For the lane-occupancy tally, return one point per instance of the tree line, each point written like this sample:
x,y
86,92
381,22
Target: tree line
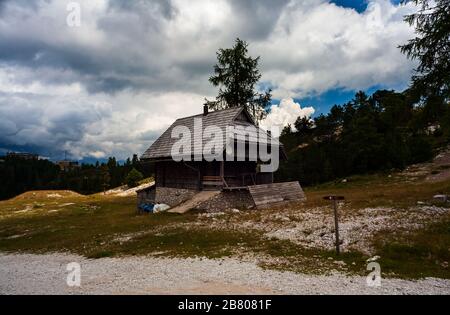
x,y
19,175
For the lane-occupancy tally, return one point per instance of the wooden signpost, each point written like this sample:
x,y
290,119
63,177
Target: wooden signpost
x,y
334,200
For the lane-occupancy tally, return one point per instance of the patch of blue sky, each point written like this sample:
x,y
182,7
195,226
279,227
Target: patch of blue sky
x,y
358,5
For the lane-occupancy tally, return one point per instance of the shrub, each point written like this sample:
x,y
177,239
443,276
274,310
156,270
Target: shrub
x,y
133,178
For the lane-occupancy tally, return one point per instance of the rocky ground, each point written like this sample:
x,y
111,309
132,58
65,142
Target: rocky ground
x,y
47,274
314,228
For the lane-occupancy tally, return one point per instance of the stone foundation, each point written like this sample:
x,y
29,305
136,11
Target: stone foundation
x,y
146,196
173,196
227,200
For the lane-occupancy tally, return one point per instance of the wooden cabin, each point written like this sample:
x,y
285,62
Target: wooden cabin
x,y
205,175
236,177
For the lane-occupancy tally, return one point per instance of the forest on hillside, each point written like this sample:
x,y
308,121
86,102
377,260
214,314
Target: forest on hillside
x,y
384,131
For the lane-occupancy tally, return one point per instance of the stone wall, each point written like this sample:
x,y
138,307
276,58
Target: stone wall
x,y
227,200
146,196
173,196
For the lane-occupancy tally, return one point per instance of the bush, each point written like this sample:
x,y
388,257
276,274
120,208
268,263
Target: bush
x,y
133,178
420,149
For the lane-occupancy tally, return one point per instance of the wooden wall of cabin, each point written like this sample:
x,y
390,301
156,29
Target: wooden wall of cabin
x,y
237,174
240,174
176,175
210,168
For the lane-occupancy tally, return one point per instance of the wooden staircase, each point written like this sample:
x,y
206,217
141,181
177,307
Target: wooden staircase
x,y
212,182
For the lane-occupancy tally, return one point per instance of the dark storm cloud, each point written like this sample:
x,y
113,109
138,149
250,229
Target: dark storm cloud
x,y
108,85
101,67
257,17
164,7
135,31
85,68
6,147
32,4
34,53
2,5
37,121
150,135
13,50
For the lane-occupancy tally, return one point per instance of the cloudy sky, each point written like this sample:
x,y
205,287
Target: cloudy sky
x,y
111,85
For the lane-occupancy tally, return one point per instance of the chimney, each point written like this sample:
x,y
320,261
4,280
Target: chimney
x,y
205,110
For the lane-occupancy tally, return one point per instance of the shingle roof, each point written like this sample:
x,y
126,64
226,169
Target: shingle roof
x,y
162,147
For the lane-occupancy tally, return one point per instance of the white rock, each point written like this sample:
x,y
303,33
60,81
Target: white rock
x,y
374,258
441,197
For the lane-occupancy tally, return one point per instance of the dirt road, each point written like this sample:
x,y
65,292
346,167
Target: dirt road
x,y
47,274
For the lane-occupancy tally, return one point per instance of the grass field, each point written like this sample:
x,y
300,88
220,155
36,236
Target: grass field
x,y
103,226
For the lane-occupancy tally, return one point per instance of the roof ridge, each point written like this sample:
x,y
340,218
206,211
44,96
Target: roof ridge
x,y
216,111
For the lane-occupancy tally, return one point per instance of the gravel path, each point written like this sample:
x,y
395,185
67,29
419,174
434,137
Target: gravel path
x,y
46,274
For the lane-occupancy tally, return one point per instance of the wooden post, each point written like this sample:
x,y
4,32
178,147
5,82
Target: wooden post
x,y
163,174
200,177
334,199
336,227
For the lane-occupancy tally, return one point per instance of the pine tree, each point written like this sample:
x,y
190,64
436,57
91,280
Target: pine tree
x,y
236,74
431,47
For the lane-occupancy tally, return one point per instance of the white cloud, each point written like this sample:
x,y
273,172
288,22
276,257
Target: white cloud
x,y
97,154
285,113
114,84
317,48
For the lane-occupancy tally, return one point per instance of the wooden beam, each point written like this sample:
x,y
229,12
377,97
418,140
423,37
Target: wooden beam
x,y
222,173
163,174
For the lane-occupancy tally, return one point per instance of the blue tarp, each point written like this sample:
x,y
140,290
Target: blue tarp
x,y
147,207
